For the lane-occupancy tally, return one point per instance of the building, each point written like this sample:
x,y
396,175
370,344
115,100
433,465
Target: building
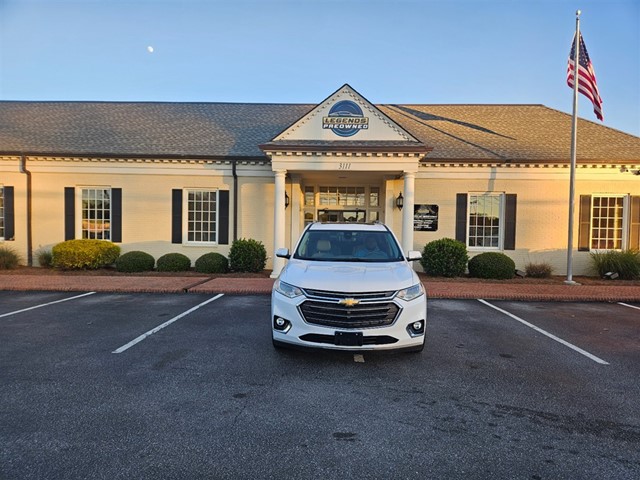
x,y
192,177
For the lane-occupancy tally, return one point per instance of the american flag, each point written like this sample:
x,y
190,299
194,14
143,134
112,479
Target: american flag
x,y
587,84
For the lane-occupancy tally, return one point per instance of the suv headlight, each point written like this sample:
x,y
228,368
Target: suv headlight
x,y
412,292
287,290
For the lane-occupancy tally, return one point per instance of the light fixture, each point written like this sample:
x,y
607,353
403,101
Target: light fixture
x,y
400,201
286,200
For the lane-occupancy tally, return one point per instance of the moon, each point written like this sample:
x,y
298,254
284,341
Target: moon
x,y
150,49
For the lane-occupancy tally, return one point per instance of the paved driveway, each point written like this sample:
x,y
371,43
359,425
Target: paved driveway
x,y
503,390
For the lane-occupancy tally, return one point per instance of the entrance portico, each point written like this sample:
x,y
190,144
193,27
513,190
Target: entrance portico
x,y
334,177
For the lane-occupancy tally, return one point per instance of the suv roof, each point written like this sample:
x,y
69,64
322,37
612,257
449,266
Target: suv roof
x,y
369,227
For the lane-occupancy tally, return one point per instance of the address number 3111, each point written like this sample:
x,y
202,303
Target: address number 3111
x,y
344,166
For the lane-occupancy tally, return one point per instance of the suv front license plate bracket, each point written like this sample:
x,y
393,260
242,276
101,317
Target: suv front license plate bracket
x,y
348,339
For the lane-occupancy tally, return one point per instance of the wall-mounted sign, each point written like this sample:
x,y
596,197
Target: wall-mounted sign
x,y
425,218
345,119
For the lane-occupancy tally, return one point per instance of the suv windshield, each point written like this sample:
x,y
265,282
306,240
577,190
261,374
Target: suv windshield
x,y
348,246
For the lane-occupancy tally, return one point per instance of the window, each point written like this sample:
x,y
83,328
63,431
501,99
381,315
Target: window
x,y
309,197
202,211
485,220
96,213
1,212
344,196
607,222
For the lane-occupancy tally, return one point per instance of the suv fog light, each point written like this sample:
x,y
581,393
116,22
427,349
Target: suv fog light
x,y
281,324
416,329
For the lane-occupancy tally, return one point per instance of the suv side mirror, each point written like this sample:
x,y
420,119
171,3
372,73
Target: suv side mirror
x,y
283,253
413,255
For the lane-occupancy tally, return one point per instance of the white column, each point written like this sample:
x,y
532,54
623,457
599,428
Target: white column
x,y
278,221
407,211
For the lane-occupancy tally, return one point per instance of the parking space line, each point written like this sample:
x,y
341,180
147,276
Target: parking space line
x,y
627,305
165,324
45,304
550,335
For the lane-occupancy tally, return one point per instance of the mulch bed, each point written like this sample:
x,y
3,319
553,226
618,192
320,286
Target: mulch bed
x,y
555,280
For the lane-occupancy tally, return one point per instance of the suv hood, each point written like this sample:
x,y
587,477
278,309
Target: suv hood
x,y
349,276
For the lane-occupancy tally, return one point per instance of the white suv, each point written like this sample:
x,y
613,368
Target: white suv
x,y
348,287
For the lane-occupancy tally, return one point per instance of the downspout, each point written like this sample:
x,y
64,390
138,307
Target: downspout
x,y
23,169
235,200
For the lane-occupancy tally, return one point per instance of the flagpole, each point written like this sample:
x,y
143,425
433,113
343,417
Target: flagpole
x,y
574,137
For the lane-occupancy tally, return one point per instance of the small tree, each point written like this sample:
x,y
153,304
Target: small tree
x,y
445,257
247,255
494,265
135,261
212,262
83,254
173,262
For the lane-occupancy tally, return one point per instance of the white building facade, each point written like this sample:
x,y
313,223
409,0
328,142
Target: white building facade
x,y
191,178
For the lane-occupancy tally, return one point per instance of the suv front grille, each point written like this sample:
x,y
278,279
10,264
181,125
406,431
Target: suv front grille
x,y
373,310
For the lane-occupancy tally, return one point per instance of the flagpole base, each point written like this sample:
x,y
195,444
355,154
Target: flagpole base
x,y
571,282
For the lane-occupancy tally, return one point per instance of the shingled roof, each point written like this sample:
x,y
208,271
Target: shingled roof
x,y
528,133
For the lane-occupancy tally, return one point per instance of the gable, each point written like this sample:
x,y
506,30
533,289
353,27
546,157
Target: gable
x,y
345,116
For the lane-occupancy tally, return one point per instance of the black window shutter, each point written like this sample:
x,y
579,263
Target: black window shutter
x,y
461,217
69,213
176,216
9,214
510,222
116,215
223,217
634,223
584,224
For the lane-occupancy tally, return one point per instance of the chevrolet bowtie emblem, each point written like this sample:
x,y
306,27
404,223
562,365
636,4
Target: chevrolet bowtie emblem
x,y
349,302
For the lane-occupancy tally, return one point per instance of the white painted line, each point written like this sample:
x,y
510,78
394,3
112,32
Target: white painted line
x,y
46,304
358,358
551,336
165,324
627,305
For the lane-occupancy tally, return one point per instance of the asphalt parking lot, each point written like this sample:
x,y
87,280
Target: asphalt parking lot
x,y
184,386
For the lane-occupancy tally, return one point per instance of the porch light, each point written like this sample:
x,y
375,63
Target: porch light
x,y
400,201
286,200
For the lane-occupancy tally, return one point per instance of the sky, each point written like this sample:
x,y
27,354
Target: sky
x,y
301,51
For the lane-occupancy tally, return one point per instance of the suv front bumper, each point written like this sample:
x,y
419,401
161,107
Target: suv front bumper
x,y
290,327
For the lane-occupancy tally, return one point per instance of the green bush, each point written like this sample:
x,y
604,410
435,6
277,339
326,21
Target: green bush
x,y
84,254
212,263
538,270
444,258
45,258
9,258
493,265
135,261
247,255
174,262
625,263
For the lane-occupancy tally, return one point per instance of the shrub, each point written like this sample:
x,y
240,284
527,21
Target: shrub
x,y
45,258
9,258
538,270
625,263
444,258
247,255
84,254
493,265
212,263
135,261
174,262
